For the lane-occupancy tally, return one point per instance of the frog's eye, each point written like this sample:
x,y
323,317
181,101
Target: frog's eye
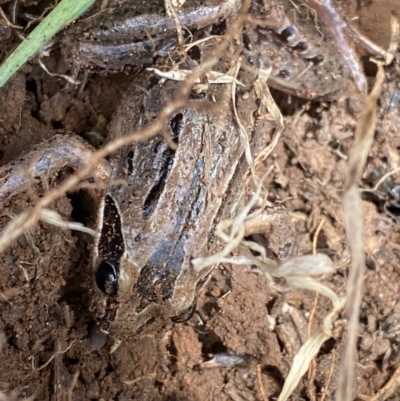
x,y
107,277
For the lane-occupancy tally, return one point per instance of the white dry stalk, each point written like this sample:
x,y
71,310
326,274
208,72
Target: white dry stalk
x,y
262,91
53,218
11,226
243,133
178,3
72,385
353,222
66,77
233,239
49,217
200,41
170,8
394,39
50,359
213,77
309,350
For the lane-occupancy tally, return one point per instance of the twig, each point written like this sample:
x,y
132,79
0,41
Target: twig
x,y
383,178
260,383
316,234
51,358
313,364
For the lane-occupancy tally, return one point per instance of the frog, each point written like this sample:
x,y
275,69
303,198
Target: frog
x,y
151,228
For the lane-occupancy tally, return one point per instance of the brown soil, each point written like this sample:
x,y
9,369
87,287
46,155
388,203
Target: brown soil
x,y
45,276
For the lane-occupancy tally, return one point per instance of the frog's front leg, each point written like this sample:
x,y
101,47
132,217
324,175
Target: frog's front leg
x,y
45,160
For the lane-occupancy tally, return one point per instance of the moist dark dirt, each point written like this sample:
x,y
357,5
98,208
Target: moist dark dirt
x,y
48,348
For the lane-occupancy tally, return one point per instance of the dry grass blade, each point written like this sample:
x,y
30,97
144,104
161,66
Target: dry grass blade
x,y
311,347
213,77
73,384
306,353
52,217
262,91
394,39
170,9
233,239
353,221
242,129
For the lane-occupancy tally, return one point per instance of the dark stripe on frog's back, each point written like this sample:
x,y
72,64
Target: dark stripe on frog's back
x,y
111,242
140,168
157,279
166,262
146,169
167,159
140,164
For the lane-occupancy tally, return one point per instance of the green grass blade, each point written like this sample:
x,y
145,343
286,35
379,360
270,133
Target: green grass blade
x,y
64,13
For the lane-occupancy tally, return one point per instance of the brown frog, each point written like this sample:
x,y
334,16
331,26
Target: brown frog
x,y
162,217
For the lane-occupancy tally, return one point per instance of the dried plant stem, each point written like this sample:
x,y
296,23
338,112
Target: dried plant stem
x,y
353,221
